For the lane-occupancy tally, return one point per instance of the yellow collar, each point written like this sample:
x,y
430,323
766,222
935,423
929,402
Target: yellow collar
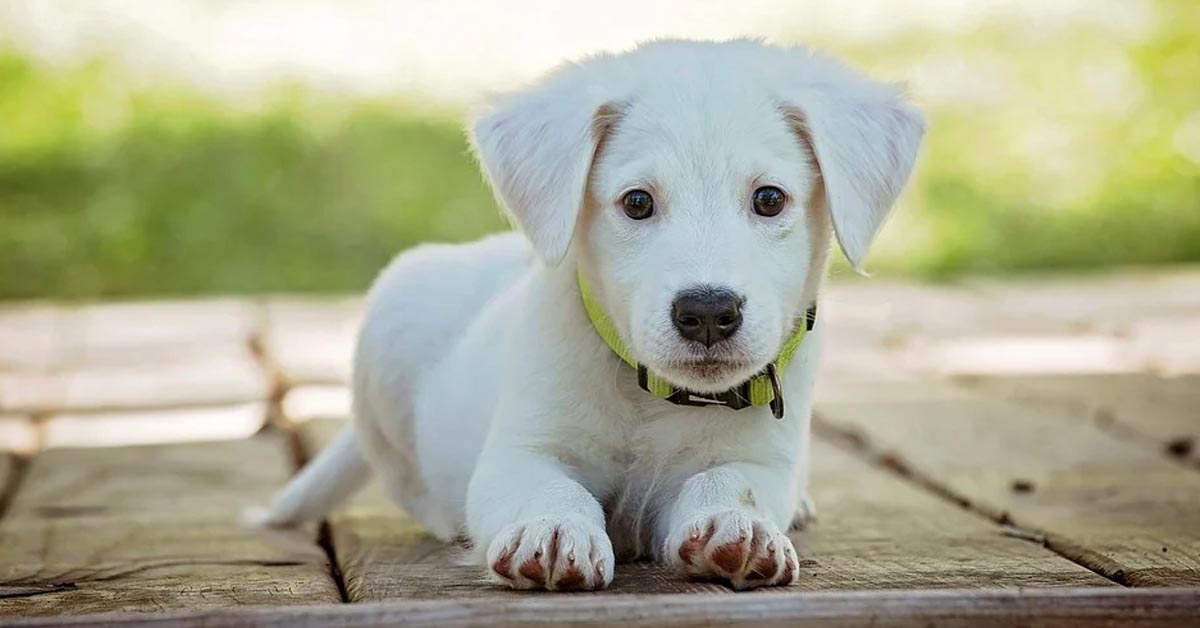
x,y
760,390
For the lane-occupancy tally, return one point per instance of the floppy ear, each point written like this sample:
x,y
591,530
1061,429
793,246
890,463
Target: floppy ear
x,y
537,148
865,139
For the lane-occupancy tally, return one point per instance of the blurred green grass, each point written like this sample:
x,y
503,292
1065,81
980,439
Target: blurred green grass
x,y
1086,155
181,195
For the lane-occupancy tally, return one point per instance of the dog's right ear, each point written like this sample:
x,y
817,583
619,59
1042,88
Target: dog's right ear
x,y
537,148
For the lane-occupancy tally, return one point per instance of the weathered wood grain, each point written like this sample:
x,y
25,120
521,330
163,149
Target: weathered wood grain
x,y
1028,608
875,532
1121,509
152,529
1165,411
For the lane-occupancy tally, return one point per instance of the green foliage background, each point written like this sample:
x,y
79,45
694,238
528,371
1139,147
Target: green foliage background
x,y
111,189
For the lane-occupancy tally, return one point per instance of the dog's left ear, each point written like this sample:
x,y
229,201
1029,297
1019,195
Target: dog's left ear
x,y
537,148
865,139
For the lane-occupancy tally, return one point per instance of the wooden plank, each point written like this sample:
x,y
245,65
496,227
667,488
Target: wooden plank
x,y
135,331
887,312
989,354
1165,411
1162,342
1121,509
19,434
884,329
1102,302
146,427
42,337
8,479
875,532
30,337
316,402
186,378
1030,608
311,341
154,528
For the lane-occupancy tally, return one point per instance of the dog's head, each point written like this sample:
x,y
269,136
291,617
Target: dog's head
x,y
699,183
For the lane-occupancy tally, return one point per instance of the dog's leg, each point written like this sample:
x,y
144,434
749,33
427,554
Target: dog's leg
x,y
729,523
542,529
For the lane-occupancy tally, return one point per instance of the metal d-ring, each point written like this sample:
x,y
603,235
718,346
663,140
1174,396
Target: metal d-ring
x,y
777,401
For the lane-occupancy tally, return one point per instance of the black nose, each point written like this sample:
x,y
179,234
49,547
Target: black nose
x,y
707,315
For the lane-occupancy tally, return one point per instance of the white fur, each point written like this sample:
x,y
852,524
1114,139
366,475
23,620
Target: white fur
x,y
490,407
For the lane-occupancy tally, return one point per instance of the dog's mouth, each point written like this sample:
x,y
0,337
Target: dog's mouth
x,y
710,365
707,374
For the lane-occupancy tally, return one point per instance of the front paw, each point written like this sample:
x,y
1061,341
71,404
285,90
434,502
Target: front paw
x,y
732,546
556,554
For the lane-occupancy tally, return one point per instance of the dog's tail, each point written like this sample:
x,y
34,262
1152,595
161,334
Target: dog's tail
x,y
327,480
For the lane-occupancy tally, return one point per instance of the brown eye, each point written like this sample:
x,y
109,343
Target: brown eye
x,y
769,201
639,205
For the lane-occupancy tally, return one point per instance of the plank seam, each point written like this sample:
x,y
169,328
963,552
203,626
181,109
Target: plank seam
x,y
858,445
300,457
335,567
1103,416
8,492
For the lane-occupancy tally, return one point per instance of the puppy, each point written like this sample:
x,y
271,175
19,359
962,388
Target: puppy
x,y
631,376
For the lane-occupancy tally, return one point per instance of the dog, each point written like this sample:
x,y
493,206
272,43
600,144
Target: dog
x,y
629,375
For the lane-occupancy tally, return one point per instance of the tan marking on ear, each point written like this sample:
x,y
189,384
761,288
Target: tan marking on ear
x,y
604,121
818,216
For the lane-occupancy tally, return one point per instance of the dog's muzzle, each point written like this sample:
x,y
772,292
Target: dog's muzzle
x,y
763,389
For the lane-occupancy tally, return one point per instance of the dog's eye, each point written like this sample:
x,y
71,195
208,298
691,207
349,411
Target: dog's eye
x,y
639,205
769,201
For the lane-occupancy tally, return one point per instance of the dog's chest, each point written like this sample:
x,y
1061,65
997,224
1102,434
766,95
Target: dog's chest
x,y
663,446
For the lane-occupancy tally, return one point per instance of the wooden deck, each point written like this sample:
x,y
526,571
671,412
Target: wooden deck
x,y
991,453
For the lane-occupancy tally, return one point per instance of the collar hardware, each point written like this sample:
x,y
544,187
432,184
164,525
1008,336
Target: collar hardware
x,y
773,377
763,389
735,398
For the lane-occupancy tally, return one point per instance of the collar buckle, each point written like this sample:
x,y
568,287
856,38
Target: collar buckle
x,y
735,398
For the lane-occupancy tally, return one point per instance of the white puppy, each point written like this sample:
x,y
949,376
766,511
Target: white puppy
x,y
691,188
